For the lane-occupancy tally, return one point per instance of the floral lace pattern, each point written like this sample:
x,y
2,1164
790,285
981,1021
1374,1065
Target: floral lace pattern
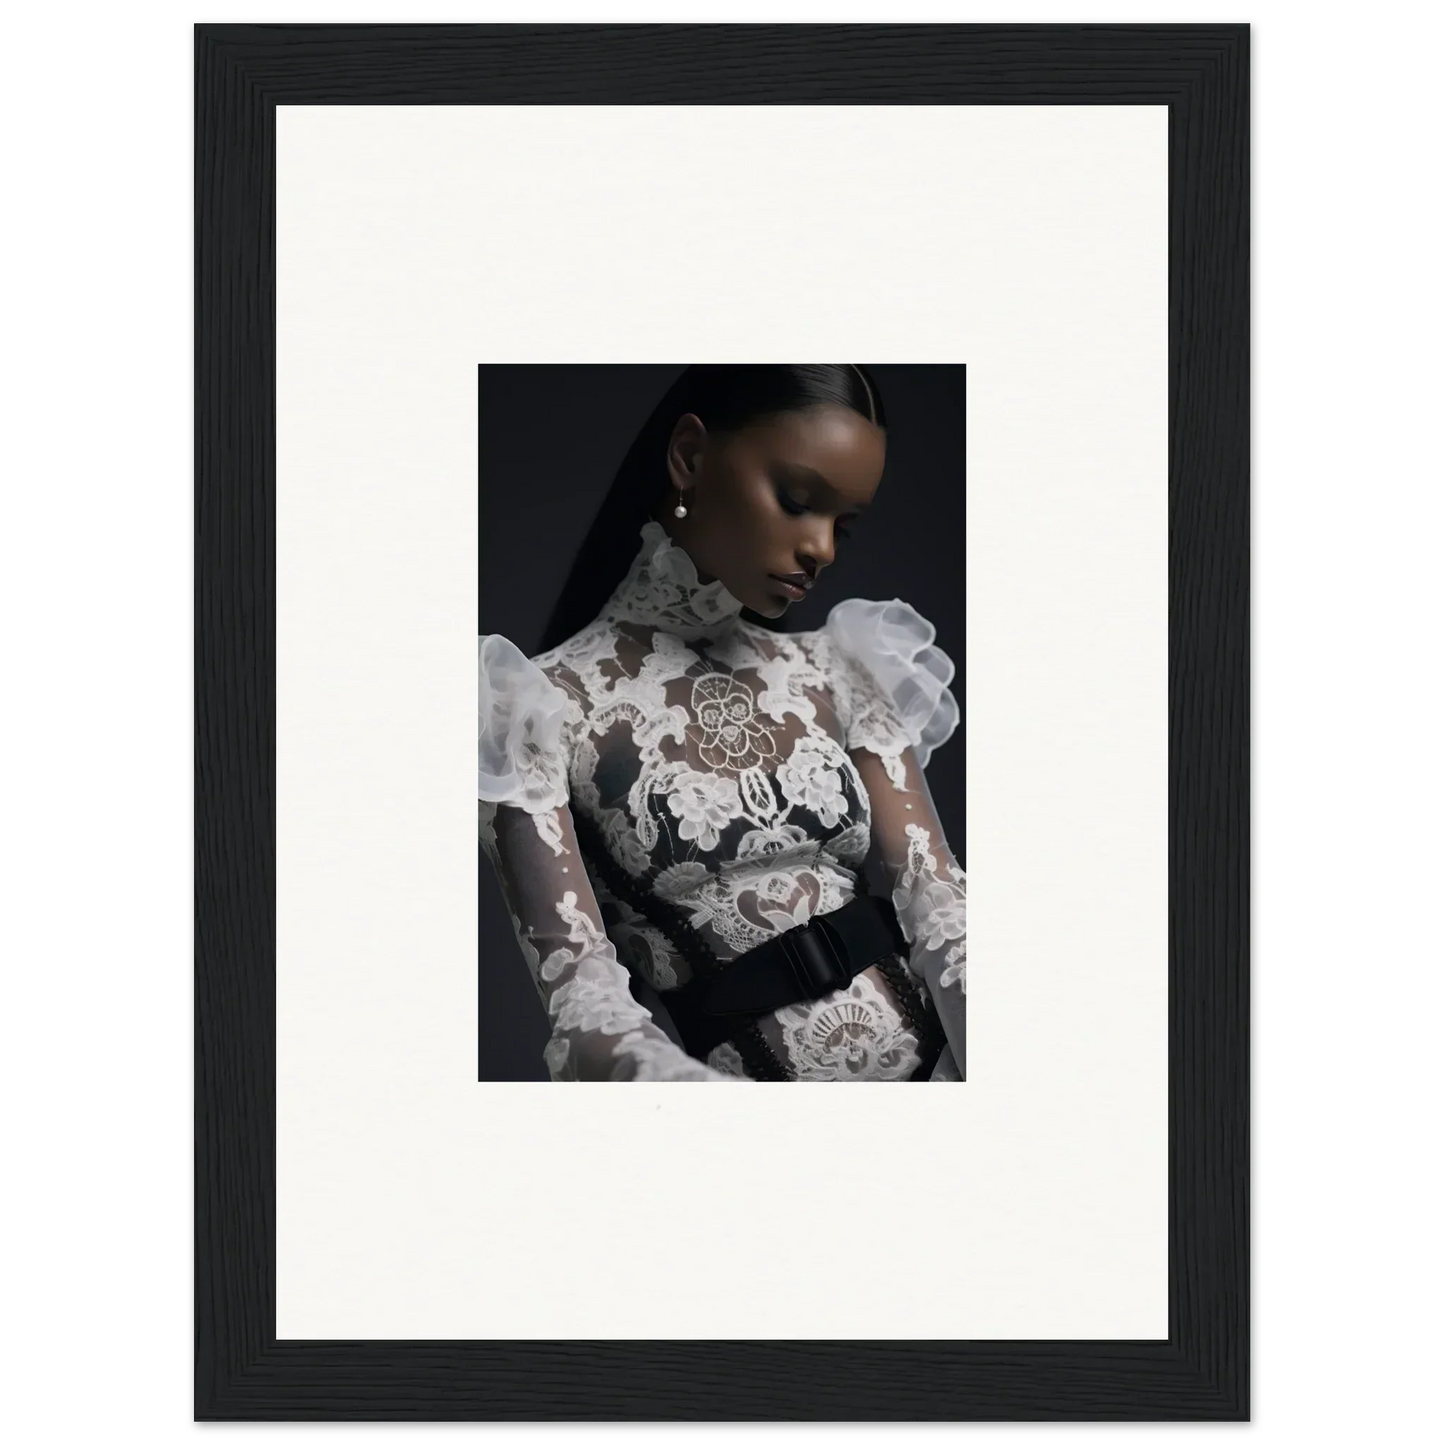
x,y
741,776
855,1034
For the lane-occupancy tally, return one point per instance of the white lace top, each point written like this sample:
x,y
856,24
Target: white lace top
x,y
740,776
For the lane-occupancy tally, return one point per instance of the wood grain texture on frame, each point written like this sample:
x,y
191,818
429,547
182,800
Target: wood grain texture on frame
x,y
242,73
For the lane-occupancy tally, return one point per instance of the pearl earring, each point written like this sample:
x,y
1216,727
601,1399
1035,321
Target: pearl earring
x,y
680,510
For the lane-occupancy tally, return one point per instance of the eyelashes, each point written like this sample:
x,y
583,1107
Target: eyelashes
x,y
796,509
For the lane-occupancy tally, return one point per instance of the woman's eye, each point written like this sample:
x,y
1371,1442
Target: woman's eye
x,y
795,508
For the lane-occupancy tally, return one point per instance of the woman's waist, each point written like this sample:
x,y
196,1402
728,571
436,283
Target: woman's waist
x,y
814,957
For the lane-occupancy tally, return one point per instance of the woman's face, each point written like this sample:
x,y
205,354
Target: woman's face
x,y
767,505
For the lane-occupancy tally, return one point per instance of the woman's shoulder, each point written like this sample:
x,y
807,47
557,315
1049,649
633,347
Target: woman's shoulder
x,y
880,634
886,650
524,722
560,665
506,671
563,661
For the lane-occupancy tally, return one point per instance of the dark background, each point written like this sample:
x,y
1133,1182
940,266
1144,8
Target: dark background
x,y
550,438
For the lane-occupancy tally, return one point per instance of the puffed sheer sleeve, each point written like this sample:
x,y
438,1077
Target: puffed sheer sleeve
x,y
599,1031
890,685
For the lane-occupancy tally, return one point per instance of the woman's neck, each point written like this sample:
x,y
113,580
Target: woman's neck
x,y
663,588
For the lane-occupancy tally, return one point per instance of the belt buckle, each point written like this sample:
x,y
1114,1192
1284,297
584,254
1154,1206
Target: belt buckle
x,y
814,958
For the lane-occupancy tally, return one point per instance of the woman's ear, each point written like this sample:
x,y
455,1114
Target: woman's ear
x,y
684,451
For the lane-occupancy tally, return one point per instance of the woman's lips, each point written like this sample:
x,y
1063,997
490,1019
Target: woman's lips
x,y
795,584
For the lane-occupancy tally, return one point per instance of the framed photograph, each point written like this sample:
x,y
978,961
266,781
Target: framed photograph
x,y
786,669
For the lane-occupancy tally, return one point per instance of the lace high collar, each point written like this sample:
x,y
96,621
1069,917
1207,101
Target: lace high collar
x,y
662,589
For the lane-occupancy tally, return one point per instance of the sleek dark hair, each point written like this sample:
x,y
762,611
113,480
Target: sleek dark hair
x,y
725,399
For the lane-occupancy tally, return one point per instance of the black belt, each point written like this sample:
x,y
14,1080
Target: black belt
x,y
808,961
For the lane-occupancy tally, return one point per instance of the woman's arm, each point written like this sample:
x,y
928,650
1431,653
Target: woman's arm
x,y
927,885
890,689
525,723
599,1030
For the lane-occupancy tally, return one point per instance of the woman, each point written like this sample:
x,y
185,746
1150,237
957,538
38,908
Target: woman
x,y
680,800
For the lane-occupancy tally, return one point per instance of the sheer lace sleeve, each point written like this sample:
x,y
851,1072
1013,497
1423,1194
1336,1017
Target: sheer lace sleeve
x,y
599,1030
890,686
928,889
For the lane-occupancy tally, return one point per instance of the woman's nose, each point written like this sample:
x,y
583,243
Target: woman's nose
x,y
816,550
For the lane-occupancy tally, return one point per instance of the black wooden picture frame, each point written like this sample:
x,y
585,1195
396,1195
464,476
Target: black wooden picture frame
x,y
242,73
